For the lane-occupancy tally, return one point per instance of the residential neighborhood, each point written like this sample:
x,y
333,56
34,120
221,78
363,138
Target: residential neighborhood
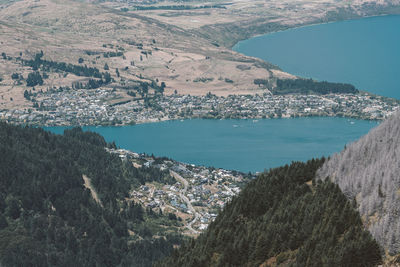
x,y
195,197
105,107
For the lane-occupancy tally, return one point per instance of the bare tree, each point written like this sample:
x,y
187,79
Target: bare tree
x,y
368,171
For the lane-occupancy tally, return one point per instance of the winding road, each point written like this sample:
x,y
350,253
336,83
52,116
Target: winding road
x,y
186,200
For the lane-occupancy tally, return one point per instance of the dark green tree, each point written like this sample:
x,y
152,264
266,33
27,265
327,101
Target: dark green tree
x,y
34,78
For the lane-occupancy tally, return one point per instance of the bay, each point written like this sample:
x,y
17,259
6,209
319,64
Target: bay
x,y
362,52
243,145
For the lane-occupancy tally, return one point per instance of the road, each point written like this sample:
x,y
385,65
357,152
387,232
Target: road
x,y
186,200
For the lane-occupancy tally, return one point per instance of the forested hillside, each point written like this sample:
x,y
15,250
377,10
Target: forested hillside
x,y
281,218
287,216
49,218
309,86
368,171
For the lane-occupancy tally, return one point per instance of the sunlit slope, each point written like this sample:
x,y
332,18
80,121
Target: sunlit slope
x,y
152,50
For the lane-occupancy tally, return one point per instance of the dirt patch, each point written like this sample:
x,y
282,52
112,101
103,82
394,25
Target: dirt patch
x,y
93,192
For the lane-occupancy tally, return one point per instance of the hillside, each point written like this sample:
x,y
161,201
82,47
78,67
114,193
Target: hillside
x,y
145,47
64,201
367,171
284,219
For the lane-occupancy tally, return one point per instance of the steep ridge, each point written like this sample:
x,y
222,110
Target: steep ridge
x,y
282,219
367,171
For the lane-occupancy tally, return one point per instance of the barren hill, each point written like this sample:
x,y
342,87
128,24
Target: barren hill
x,y
150,50
186,46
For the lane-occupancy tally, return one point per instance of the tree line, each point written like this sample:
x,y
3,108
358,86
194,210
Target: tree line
x,y
285,218
46,65
309,86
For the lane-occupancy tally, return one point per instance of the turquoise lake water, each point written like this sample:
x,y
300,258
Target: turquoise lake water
x,y
244,145
363,52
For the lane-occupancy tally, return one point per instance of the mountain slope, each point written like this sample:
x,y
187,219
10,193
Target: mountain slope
x,y
49,218
368,171
143,49
281,219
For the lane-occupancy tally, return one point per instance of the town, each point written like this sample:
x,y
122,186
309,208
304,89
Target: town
x,y
105,107
196,195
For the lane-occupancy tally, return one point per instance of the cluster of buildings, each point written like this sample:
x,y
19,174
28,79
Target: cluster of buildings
x,y
361,106
196,193
95,107
195,196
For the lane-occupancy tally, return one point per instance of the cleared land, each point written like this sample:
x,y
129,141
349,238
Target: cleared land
x,y
88,185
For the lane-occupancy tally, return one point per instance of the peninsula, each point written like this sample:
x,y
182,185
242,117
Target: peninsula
x,y
113,62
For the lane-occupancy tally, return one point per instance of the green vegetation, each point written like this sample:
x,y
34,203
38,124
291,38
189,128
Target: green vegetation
x,y
203,80
309,86
180,14
280,219
46,65
34,78
93,83
112,54
261,82
174,7
15,76
27,95
48,217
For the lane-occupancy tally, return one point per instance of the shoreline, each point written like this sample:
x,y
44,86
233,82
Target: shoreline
x,y
237,45
75,114
64,109
195,118
307,25
255,120
165,119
